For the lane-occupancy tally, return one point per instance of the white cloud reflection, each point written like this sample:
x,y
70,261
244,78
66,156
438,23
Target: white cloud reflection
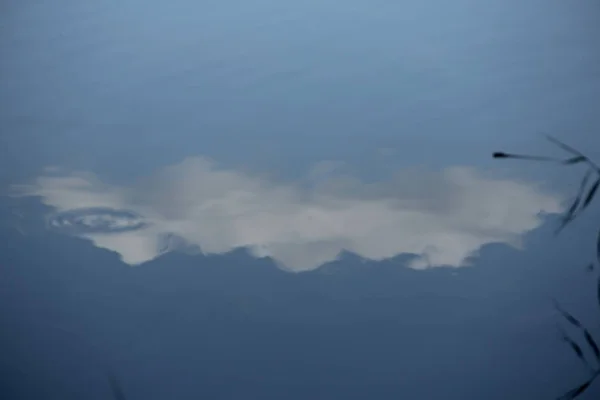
x,y
445,216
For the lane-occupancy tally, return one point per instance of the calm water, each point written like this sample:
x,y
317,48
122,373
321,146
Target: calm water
x,y
124,87
297,130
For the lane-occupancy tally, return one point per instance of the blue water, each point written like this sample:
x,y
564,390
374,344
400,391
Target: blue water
x,y
124,87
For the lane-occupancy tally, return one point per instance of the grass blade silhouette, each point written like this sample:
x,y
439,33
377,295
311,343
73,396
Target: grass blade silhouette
x,y
575,347
575,160
586,334
568,161
572,211
583,199
572,320
573,151
563,146
574,393
591,194
500,154
592,343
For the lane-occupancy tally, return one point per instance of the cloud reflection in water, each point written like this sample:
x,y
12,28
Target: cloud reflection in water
x,y
444,216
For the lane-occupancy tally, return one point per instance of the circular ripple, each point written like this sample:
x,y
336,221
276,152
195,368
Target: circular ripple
x,y
95,220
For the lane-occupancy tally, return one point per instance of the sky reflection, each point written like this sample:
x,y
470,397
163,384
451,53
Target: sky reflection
x,y
443,216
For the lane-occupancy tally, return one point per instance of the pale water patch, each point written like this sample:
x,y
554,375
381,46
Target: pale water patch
x,y
444,216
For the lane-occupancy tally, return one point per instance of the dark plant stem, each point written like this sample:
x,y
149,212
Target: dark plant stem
x,y
580,203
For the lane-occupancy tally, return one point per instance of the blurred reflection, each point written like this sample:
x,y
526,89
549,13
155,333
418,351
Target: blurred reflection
x,y
443,216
